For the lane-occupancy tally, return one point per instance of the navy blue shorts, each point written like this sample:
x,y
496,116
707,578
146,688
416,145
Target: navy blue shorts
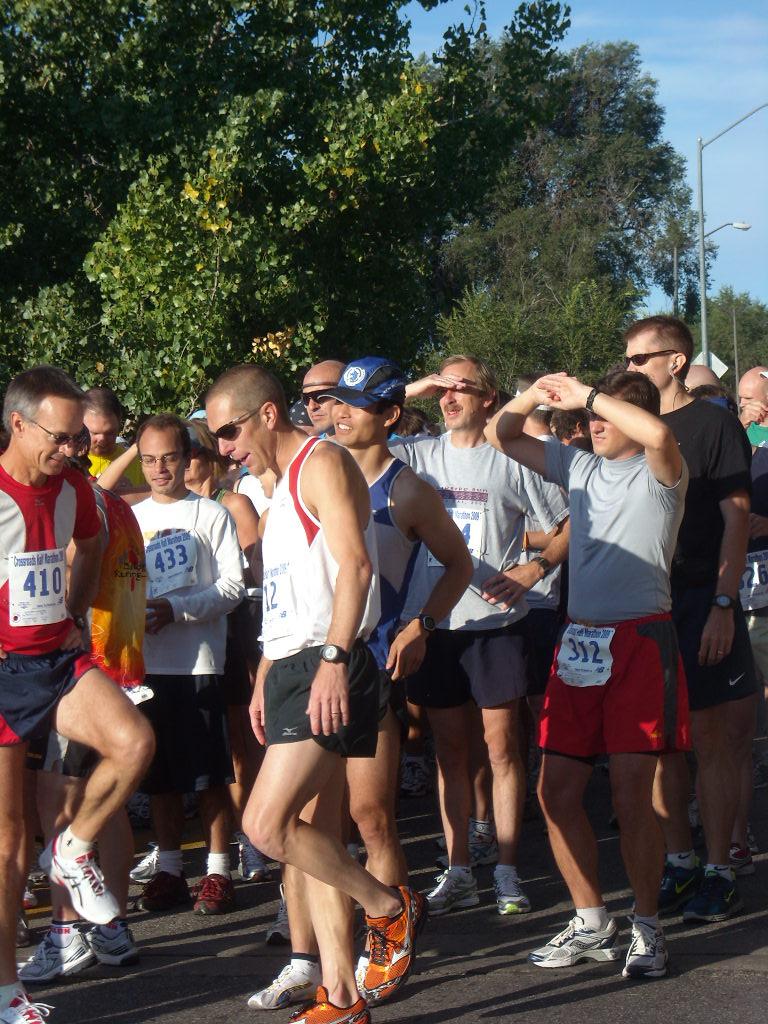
x,y
31,685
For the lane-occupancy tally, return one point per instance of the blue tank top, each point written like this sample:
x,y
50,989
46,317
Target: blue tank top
x,y
397,556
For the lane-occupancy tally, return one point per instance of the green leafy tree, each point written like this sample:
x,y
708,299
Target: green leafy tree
x,y
268,179
751,317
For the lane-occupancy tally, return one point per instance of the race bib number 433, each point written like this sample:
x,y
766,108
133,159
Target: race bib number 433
x,y
171,563
36,585
585,658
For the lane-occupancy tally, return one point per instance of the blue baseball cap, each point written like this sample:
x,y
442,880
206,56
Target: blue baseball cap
x,y
367,381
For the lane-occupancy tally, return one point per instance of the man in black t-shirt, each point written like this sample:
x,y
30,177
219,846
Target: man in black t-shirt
x,y
712,631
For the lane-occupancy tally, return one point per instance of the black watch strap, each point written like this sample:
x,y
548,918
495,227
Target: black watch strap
x,y
591,399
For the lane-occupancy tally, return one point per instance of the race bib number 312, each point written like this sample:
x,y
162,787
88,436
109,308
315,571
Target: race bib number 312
x,y
36,585
585,658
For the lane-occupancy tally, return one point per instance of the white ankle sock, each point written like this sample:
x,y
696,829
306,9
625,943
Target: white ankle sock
x,y
71,847
459,869
218,864
686,859
505,870
61,932
170,861
594,918
724,870
650,922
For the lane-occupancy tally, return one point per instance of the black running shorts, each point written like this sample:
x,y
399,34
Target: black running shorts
x,y
286,696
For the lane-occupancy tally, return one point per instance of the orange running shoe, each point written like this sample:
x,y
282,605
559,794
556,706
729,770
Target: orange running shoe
x,y
393,946
323,1011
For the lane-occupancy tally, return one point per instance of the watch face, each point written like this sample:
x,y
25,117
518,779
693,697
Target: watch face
x,y
330,652
428,623
723,601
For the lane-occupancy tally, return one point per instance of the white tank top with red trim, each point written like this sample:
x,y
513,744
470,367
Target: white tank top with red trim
x,y
300,571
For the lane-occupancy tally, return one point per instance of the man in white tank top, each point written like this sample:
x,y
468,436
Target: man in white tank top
x,y
315,699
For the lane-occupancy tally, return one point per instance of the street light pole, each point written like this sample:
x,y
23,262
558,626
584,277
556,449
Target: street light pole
x,y
735,349
700,147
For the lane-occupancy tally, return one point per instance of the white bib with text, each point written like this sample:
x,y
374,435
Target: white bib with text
x,y
36,584
171,563
585,658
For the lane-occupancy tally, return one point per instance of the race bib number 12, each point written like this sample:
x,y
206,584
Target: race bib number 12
x,y
585,658
36,585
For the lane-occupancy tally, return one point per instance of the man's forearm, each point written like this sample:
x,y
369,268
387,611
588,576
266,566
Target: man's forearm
x,y
508,422
349,600
733,552
83,580
556,551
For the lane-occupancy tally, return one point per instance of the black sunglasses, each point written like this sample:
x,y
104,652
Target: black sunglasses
x,y
317,396
229,431
642,357
56,436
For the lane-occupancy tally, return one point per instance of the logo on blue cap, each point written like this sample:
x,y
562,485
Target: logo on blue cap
x,y
369,380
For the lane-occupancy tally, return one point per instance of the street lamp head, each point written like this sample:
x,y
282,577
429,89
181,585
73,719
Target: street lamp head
x,y
740,225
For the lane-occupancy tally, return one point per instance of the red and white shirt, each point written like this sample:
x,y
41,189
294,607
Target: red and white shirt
x,y
36,526
300,571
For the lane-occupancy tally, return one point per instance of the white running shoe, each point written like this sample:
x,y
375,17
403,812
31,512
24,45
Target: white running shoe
x,y
296,983
575,943
83,880
647,953
51,961
21,1011
116,949
510,898
252,862
147,867
279,932
455,889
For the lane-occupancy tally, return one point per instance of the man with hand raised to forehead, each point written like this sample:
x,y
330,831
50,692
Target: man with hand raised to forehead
x,y
316,697
711,627
616,686
477,652
46,678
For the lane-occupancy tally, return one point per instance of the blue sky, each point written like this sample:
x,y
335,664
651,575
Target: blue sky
x,y
711,65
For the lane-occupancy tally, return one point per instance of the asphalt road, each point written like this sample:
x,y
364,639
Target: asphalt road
x,y
471,964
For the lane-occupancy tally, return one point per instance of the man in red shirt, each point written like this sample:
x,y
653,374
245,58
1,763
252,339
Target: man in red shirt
x,y
46,678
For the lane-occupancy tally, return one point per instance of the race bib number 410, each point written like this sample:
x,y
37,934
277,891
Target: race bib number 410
x,y
171,563
753,589
36,585
585,658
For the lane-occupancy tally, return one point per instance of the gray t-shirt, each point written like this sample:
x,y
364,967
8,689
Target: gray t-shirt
x,y
485,493
545,593
624,527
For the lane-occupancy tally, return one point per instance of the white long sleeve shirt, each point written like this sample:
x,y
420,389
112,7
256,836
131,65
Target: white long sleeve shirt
x,y
194,561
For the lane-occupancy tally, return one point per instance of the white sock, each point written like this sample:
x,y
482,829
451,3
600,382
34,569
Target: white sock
x,y
61,932
594,918
9,992
170,861
686,859
304,962
218,864
649,922
71,847
460,870
724,870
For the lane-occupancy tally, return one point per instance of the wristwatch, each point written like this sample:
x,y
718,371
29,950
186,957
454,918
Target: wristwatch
x,y
724,601
334,654
79,621
545,563
427,622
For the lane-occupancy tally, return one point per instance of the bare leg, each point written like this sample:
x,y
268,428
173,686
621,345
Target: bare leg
x,y
246,758
479,768
97,713
741,720
11,841
372,787
216,817
671,788
718,780
508,777
296,892
332,910
642,842
168,819
449,727
290,776
561,793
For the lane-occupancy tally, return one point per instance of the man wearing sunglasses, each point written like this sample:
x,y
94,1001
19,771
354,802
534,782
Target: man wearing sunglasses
x,y
46,678
316,696
317,380
714,643
195,578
